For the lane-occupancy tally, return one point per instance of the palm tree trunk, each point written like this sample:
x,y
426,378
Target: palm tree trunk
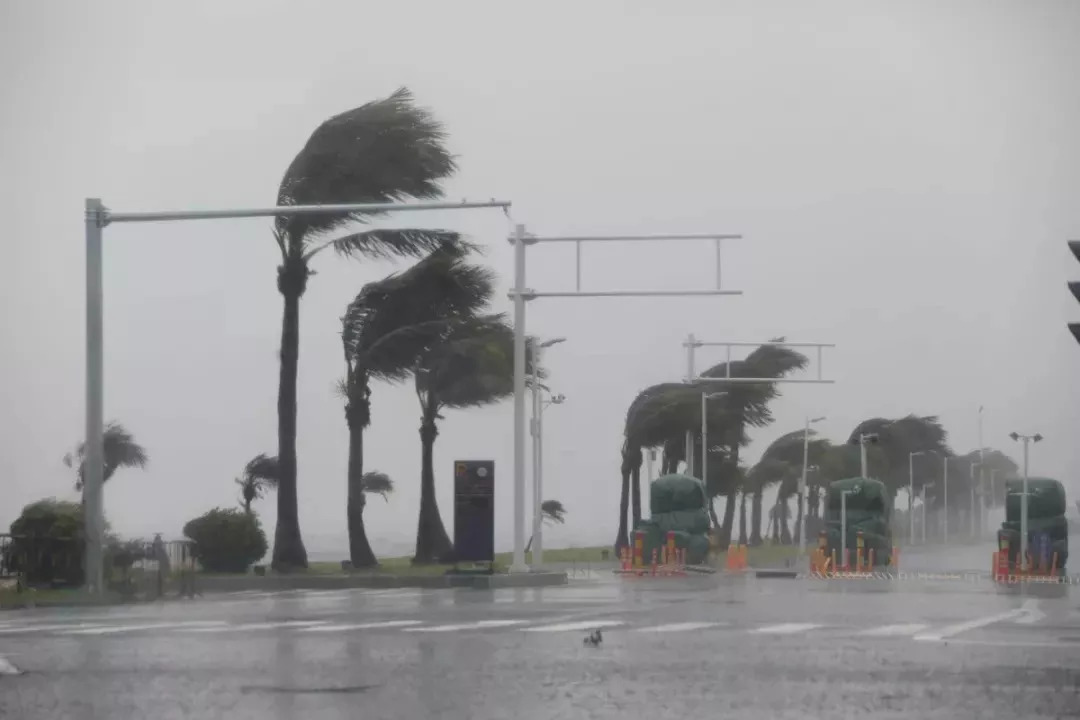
x,y
622,538
712,513
799,528
755,516
742,519
360,553
785,527
289,552
729,507
635,480
432,542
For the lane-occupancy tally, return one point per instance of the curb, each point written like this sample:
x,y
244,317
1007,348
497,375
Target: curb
x,y
224,584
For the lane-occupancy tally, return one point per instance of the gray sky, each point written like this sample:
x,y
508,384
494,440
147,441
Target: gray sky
x,y
906,175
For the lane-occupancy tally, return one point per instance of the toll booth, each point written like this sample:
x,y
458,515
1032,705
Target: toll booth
x,y
474,511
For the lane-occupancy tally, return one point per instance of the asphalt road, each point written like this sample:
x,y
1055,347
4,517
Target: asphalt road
x,y
722,646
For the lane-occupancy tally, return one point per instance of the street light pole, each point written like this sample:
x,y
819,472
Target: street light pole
x,y
537,431
705,397
803,501
973,507
911,494
982,477
945,482
1025,439
924,511
843,526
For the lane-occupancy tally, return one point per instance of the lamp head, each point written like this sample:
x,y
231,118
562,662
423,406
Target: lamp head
x,y
1014,436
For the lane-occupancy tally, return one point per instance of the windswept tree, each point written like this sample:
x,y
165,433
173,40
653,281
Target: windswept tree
x,y
385,151
121,451
897,439
385,331
259,477
551,512
781,461
747,405
470,365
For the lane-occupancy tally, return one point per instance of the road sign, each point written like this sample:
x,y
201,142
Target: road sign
x,y
474,511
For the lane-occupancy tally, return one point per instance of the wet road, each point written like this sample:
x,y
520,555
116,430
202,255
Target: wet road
x,y
731,647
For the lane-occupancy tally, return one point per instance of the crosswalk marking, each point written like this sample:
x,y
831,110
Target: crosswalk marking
x,y
482,624
361,626
680,627
584,625
785,628
893,630
113,629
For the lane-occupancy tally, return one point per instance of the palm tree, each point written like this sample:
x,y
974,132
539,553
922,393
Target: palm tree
x,y
899,437
385,151
551,511
471,365
384,331
121,451
781,462
260,475
748,405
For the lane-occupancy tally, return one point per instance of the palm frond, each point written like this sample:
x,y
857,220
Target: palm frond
x,y
120,451
377,483
553,510
388,150
387,243
264,469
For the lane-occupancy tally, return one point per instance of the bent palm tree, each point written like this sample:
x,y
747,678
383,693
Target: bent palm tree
x,y
385,151
121,451
384,330
471,365
551,511
260,475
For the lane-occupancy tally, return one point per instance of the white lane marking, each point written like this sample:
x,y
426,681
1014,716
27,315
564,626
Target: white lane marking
x,y
584,625
258,626
114,629
893,630
950,630
786,628
465,626
680,627
1031,613
361,626
45,628
6,668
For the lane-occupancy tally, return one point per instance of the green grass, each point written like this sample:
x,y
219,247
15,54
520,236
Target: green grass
x,y
10,599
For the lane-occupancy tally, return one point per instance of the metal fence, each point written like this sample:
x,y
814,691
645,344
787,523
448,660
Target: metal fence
x,y
139,569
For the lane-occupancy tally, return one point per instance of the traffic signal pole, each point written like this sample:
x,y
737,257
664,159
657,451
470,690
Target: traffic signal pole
x,y
1074,288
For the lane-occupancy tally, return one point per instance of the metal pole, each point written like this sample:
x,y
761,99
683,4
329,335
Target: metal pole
x,y
690,343
923,514
911,497
945,482
534,432
538,541
862,455
843,528
518,564
704,438
1024,511
982,477
94,453
972,523
802,488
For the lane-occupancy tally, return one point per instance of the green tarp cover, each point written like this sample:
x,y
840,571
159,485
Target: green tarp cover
x,y
675,493
695,544
1046,498
864,495
695,522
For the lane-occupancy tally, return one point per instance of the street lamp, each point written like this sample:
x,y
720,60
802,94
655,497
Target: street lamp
x,y
843,526
802,482
1026,440
911,493
705,397
923,491
945,490
863,440
538,405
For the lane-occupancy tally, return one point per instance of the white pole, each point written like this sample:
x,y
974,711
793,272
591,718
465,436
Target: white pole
x,y
982,476
534,431
538,542
704,437
972,523
862,455
911,496
803,504
843,528
690,344
94,451
945,482
1024,511
518,564
924,514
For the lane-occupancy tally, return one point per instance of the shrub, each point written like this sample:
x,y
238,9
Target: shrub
x,y
226,540
47,544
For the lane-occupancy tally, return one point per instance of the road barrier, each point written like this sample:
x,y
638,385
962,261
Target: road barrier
x,y
1005,572
669,561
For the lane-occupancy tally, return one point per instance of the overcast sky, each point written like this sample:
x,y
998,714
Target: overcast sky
x,y
905,175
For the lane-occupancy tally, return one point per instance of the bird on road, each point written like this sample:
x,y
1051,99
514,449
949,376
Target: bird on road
x,y
594,639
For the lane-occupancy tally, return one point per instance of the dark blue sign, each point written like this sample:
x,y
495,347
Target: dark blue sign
x,y
474,511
